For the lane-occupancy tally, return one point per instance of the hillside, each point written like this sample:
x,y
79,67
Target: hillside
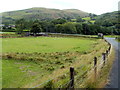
x,y
41,14
108,19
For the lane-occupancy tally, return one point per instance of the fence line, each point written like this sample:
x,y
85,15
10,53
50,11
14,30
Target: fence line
x,y
71,83
49,80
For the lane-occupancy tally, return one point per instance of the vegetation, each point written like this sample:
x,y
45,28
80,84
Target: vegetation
x,y
46,44
49,55
90,25
110,22
41,14
20,26
0,73
102,76
52,54
117,38
36,28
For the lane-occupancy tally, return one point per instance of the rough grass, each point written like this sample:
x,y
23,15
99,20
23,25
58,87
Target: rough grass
x,y
18,73
0,73
0,64
102,74
31,67
118,38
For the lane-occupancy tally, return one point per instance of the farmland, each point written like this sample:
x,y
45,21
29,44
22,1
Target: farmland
x,y
30,61
53,48
46,44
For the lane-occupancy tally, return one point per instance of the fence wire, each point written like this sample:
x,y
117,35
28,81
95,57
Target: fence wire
x,y
77,77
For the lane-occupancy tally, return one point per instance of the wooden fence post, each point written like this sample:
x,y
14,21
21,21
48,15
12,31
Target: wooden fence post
x,y
109,48
95,67
104,57
71,77
106,52
95,61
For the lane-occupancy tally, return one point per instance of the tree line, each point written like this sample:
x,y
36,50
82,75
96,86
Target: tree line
x,y
62,25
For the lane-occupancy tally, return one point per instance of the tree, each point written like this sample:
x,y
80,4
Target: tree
x,y
86,29
47,26
44,25
69,28
79,28
20,25
79,19
107,24
59,28
51,27
36,28
59,21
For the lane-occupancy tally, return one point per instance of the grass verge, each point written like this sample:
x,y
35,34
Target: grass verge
x,y
102,77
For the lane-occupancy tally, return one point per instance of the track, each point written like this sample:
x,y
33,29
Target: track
x,y
115,71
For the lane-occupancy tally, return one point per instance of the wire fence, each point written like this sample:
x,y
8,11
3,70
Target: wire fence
x,y
73,79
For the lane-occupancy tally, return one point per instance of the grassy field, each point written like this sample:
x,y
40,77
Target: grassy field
x,y
0,74
7,32
92,21
18,73
46,44
86,18
30,61
113,36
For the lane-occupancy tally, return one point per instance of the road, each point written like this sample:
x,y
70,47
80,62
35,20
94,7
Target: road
x,y
115,71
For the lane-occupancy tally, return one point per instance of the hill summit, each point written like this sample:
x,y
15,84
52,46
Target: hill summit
x,y
41,14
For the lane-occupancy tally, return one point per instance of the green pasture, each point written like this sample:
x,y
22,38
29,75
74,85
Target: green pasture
x,y
92,21
17,73
46,44
30,61
7,32
112,36
86,18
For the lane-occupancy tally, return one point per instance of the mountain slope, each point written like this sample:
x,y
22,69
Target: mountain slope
x,y
41,13
108,18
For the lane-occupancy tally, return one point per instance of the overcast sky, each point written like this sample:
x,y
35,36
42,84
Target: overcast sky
x,y
91,6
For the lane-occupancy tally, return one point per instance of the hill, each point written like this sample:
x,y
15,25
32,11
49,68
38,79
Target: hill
x,y
108,19
41,14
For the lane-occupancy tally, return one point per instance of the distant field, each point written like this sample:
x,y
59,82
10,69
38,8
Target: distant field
x,y
30,61
7,32
46,44
113,36
92,21
86,18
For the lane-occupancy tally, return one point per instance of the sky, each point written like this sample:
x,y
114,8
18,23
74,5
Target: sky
x,y
90,6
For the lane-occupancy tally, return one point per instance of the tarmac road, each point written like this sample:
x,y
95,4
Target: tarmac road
x,y
115,71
